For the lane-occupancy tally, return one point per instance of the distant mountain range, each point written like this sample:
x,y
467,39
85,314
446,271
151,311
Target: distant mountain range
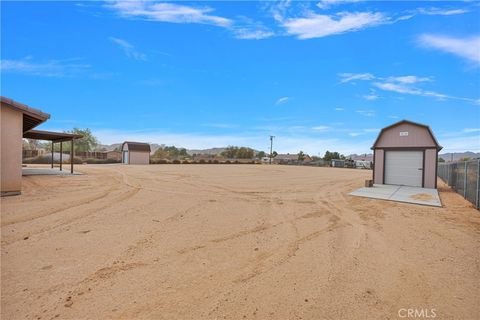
x,y
211,151
155,146
459,155
113,146
368,156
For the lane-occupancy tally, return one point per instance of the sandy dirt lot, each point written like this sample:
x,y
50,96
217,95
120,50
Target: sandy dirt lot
x,y
231,242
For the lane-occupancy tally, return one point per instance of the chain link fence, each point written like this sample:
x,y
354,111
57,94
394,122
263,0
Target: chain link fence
x,y
463,177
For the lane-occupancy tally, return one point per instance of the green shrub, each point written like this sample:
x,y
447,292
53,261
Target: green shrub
x,y
39,160
76,160
47,159
95,161
158,161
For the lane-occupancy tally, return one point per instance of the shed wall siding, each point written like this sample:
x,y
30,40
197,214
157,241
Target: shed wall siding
x,y
11,150
139,157
430,164
378,163
417,137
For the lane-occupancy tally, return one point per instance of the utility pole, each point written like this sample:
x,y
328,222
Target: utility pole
x,y
271,148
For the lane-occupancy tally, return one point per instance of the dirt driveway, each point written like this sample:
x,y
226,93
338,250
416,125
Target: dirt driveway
x,y
233,242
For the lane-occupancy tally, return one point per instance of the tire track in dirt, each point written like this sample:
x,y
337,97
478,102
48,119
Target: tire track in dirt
x,y
59,210
291,250
103,194
79,214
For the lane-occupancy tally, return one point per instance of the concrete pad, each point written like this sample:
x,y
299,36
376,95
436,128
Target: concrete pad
x,y
415,195
47,172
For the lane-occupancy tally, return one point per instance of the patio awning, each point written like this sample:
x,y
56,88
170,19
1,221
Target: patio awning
x,y
55,137
51,136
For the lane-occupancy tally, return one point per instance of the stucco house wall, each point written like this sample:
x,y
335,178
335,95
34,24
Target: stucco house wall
x,y
11,150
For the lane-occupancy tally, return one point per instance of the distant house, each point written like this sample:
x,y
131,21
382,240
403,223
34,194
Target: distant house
x,y
361,157
135,153
114,154
265,160
339,163
363,164
285,158
307,158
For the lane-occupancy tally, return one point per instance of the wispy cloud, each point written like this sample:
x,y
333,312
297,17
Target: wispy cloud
x,y
244,28
339,109
406,89
466,48
247,28
370,97
410,79
366,113
347,77
440,11
282,100
249,33
221,125
168,12
401,84
318,25
51,68
326,4
129,49
397,87
321,128
363,131
470,130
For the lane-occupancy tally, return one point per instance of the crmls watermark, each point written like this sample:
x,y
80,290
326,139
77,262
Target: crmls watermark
x,y
417,313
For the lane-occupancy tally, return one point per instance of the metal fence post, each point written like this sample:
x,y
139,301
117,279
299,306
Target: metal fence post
x,y
477,204
465,181
448,174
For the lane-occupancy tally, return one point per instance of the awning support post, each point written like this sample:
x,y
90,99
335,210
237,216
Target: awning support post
x,y
72,154
61,154
52,154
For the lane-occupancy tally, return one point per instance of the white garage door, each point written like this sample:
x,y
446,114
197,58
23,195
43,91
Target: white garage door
x,y
404,168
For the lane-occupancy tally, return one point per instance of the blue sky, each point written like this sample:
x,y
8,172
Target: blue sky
x,y
317,75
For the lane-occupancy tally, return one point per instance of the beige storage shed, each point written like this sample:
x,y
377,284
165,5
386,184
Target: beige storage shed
x,y
406,153
135,153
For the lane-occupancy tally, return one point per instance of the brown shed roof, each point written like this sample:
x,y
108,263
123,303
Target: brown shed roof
x,y
31,117
439,147
137,146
